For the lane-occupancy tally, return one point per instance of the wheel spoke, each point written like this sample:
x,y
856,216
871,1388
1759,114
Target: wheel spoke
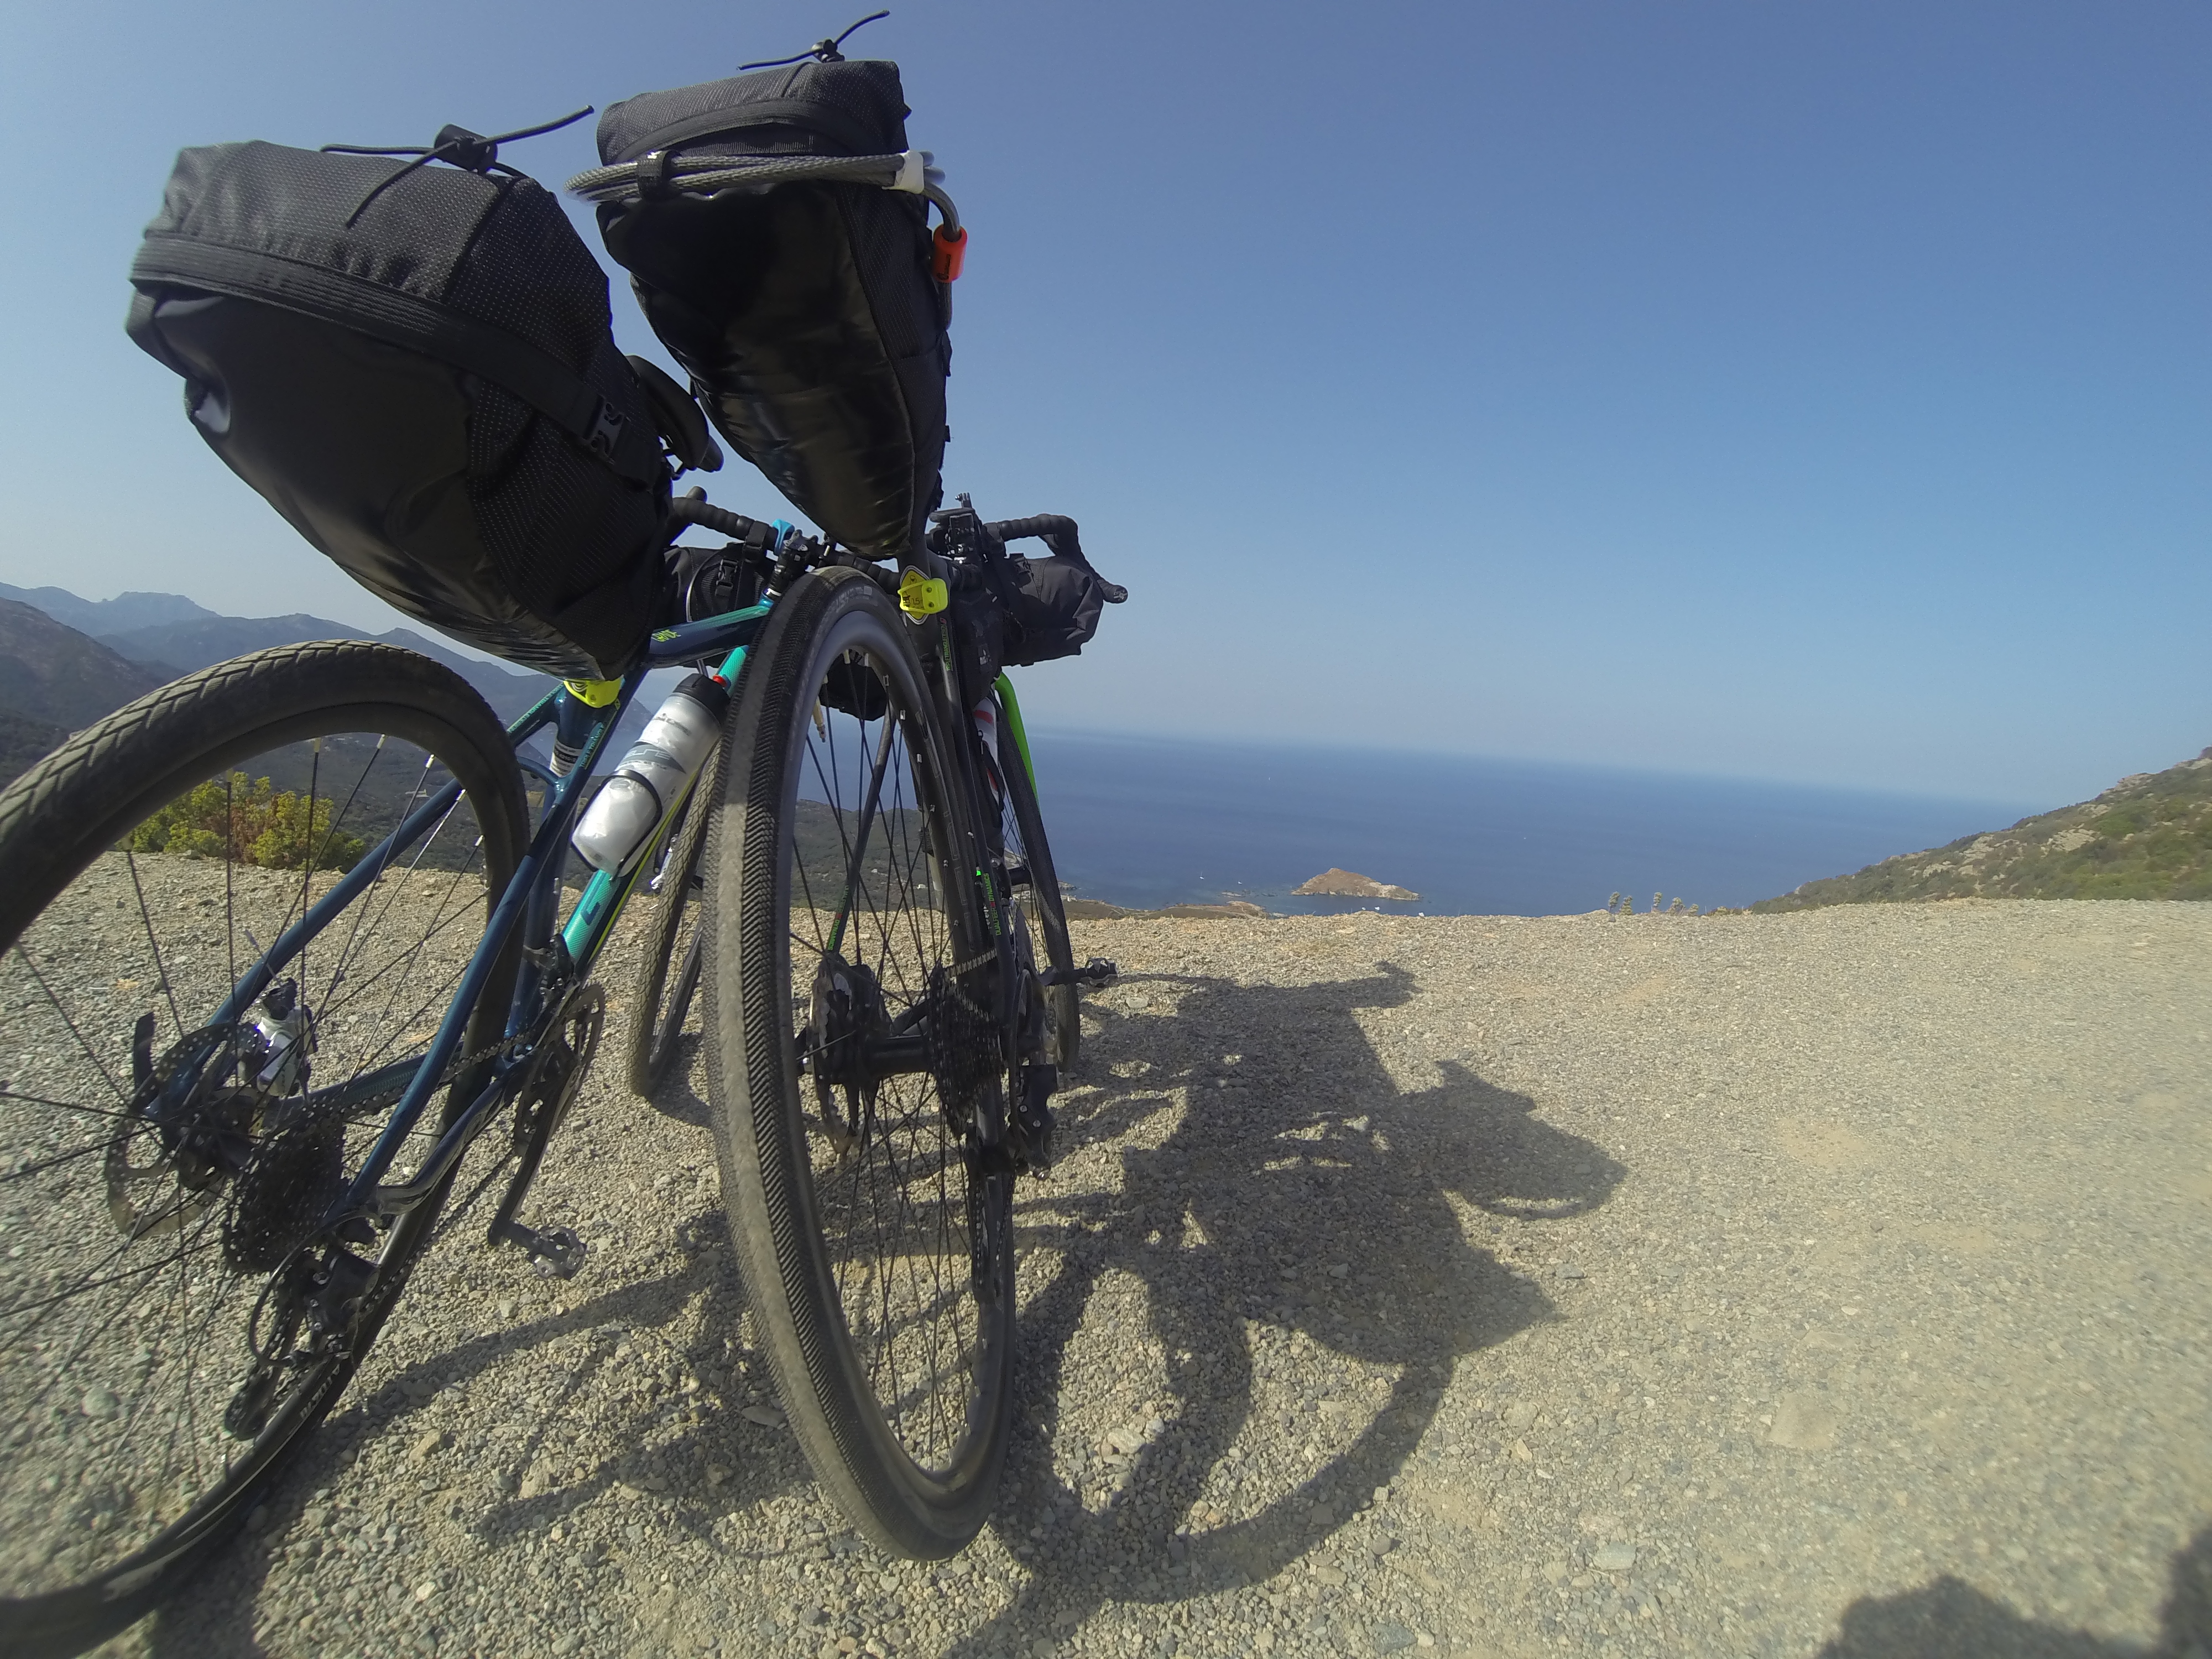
x,y
139,1251
894,1203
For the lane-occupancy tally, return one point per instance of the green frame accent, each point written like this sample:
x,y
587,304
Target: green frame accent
x,y
1012,705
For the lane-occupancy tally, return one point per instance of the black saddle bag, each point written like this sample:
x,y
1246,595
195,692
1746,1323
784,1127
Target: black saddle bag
x,y
806,313
418,369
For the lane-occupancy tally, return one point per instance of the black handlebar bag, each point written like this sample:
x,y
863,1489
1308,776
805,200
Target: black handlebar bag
x,y
417,369
806,313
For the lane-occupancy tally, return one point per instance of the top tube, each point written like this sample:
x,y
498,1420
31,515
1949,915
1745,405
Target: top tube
x,y
716,636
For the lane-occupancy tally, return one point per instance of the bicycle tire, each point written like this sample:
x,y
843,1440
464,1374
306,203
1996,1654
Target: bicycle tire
x,y
660,1007
1033,852
69,829
915,1469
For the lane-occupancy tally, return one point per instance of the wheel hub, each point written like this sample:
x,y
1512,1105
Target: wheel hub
x,y
964,1043
848,1024
219,1132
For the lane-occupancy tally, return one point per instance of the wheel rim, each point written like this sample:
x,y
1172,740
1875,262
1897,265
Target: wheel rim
x,y
139,1256
898,1205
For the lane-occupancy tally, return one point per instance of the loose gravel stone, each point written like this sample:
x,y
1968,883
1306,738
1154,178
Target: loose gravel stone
x,y
1744,1285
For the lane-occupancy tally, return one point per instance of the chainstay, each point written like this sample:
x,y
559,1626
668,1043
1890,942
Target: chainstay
x,y
338,1105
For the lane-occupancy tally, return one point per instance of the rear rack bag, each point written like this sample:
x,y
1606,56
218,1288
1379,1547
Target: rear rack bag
x,y
430,394
806,314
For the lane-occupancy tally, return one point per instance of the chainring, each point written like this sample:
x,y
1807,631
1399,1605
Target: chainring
x,y
562,1063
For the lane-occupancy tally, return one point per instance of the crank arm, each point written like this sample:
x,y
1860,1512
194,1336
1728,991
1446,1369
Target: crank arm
x,y
1097,971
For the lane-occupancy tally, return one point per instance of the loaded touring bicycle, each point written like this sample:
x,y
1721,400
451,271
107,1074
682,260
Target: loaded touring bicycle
x,y
293,983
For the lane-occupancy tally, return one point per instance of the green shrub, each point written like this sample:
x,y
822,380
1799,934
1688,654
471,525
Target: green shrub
x,y
252,820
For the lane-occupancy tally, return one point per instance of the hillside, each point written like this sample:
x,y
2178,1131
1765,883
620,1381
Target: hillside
x,y
199,642
70,661
57,677
24,743
2149,836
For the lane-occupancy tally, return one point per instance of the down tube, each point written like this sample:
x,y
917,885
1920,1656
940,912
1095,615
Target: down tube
x,y
606,894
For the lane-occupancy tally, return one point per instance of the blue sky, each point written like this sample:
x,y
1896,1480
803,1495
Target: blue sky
x,y
1808,392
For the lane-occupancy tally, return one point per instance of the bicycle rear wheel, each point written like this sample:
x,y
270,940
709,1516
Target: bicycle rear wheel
x,y
168,1148
668,970
854,1061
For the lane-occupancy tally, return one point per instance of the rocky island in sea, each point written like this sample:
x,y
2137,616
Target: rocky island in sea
x,y
1343,883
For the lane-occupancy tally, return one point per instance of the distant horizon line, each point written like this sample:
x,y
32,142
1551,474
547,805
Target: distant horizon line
x,y
1309,746
1295,744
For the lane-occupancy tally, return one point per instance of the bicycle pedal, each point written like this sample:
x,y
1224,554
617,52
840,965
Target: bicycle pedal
x,y
1097,971
556,1252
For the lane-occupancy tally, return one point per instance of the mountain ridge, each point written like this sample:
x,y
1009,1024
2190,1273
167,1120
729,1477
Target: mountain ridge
x,y
95,618
2149,836
195,642
63,676
60,676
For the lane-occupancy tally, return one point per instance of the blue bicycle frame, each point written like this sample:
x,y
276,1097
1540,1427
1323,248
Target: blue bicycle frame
x,y
530,902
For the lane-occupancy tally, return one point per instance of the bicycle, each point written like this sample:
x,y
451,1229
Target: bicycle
x,y
284,944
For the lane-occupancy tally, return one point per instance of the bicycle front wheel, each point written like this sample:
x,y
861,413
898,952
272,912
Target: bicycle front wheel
x,y
854,1058
169,1143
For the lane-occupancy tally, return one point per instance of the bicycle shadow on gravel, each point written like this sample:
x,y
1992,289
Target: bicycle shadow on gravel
x,y
629,1325
1949,1619
676,1098
1307,1157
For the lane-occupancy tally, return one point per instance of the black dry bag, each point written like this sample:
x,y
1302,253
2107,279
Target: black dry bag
x,y
1056,610
417,369
807,313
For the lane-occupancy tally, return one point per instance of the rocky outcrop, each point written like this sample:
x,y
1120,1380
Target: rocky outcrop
x,y
1343,883
1084,909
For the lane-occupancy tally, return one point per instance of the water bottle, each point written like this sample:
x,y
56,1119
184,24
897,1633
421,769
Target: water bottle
x,y
675,743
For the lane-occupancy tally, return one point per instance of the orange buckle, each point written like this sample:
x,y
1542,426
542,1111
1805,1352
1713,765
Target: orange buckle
x,y
947,254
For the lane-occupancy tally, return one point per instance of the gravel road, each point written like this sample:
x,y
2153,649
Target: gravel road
x,y
1833,1282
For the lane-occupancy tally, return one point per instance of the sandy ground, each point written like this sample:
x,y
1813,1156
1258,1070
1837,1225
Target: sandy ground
x,y
1837,1283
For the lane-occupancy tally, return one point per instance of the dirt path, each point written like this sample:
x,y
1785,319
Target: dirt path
x,y
1837,1283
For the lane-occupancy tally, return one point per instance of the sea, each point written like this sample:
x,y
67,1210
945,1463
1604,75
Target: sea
x,y
1146,822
